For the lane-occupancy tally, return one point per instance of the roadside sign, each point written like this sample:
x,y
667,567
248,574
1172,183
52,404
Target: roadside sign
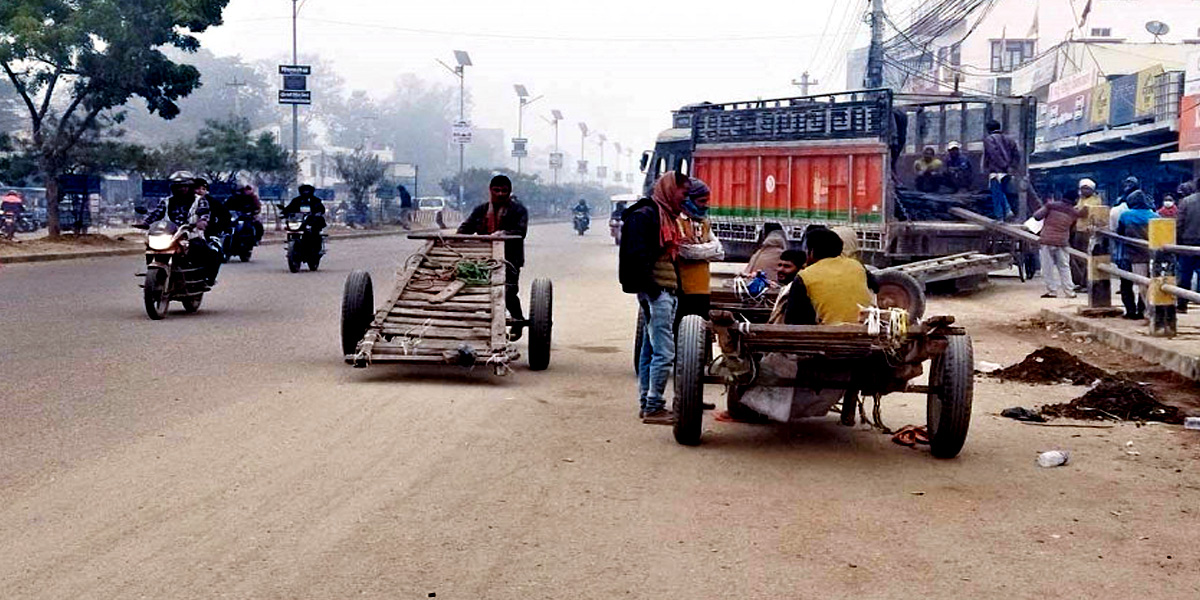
x,y
519,150
274,192
601,173
295,97
295,83
629,178
556,160
295,70
617,176
461,133
582,167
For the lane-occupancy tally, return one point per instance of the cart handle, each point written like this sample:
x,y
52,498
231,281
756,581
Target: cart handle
x,y
461,236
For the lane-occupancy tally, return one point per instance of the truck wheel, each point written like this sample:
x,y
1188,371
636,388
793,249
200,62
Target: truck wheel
x,y
192,304
358,307
689,380
898,289
292,259
951,389
638,332
541,320
154,294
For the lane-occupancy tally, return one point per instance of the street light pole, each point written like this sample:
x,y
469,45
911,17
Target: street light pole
x,y
295,107
464,61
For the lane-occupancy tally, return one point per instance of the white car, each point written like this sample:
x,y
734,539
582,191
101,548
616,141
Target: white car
x,y
431,203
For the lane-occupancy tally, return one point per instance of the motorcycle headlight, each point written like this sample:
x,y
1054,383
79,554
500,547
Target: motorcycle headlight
x,y
295,224
160,241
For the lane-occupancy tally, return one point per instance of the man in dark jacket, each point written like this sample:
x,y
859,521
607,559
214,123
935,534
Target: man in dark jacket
x,y
1187,227
316,208
502,214
649,244
1001,158
1135,223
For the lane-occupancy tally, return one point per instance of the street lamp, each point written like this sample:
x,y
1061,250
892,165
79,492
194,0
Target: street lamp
x,y
556,158
600,170
523,97
583,134
464,60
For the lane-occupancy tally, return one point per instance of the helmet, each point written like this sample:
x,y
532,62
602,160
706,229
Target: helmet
x,y
305,186
200,182
182,177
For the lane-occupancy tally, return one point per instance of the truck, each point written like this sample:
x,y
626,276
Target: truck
x,y
841,159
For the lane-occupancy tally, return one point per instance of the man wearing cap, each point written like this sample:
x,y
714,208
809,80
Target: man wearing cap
x,y
959,171
503,214
1084,228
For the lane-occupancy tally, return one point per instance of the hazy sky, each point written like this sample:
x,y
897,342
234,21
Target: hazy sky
x,y
619,65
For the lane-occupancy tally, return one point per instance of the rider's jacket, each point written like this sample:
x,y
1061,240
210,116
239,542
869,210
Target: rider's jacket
x,y
179,209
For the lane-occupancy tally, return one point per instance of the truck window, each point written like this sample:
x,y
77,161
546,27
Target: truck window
x,y
683,166
661,168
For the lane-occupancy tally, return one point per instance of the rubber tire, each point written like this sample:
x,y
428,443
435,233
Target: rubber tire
x,y
191,305
358,310
689,380
638,333
245,256
153,295
541,322
293,261
952,389
314,263
898,285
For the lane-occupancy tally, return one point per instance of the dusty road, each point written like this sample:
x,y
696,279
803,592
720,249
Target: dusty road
x,y
231,454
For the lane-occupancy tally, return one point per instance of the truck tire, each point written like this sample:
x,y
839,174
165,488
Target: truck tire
x,y
898,289
541,321
358,308
689,380
951,390
155,295
638,332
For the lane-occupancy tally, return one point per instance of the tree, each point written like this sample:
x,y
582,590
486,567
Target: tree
x,y
361,171
73,62
226,149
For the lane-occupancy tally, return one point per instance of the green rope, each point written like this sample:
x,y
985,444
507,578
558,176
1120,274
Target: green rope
x,y
473,272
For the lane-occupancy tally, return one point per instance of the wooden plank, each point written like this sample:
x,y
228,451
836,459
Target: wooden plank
x,y
480,347
461,237
461,298
401,282
451,306
453,288
452,323
443,333
475,314
499,316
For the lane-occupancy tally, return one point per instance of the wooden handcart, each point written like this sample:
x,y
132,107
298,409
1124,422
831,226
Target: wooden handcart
x,y
448,307
842,358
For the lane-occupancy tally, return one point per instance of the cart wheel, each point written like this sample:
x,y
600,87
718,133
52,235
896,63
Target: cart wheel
x,y
358,305
191,305
689,379
541,300
898,289
638,332
952,387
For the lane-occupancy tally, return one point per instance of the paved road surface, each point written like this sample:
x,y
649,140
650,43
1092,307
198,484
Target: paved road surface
x,y
231,454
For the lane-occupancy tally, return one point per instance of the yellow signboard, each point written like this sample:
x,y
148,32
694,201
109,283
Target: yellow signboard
x,y
1144,106
1101,103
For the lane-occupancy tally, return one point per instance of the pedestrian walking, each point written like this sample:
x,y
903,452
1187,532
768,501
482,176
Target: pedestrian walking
x,y
1187,233
1001,158
650,240
1135,223
1058,217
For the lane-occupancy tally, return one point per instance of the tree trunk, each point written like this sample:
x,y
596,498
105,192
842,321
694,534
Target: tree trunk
x,y
50,177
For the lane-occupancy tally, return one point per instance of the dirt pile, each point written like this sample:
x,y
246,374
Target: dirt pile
x,y
1049,365
1115,398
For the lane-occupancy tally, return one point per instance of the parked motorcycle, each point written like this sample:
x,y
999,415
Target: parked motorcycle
x,y
27,224
582,222
169,273
239,240
304,243
8,224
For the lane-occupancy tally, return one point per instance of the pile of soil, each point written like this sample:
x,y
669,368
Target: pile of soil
x,y
1049,365
1115,398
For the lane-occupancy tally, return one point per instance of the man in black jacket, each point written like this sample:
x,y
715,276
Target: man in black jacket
x,y
649,239
504,215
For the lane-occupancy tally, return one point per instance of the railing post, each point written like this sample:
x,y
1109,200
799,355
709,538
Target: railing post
x,y
1161,305
1099,253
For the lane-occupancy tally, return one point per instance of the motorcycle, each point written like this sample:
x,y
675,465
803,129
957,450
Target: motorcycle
x,y
27,224
239,239
614,229
169,273
582,221
304,244
8,224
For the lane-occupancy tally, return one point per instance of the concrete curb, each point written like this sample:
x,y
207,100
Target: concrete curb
x,y
37,258
1153,350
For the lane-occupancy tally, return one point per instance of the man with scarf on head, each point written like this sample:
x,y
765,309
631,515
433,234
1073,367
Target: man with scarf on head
x,y
502,214
1134,222
650,240
698,247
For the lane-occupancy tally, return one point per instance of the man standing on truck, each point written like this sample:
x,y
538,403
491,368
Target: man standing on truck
x,y
1001,158
650,242
502,214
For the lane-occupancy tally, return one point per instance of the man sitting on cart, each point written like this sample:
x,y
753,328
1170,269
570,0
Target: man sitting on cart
x,y
790,263
832,288
502,214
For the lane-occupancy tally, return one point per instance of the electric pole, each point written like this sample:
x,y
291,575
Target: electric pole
x,y
237,95
804,83
295,107
875,54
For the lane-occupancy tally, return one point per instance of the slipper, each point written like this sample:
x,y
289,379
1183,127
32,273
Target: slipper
x,y
724,417
911,435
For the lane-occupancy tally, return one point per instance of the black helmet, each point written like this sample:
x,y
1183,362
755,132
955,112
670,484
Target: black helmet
x,y
308,187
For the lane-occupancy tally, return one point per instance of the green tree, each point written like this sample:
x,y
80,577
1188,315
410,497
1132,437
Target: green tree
x,y
72,62
362,171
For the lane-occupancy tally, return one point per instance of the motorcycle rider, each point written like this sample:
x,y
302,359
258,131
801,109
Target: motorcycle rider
x,y
185,207
12,205
245,201
583,210
308,198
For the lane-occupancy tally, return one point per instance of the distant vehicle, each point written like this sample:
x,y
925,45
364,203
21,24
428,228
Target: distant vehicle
x,y
431,203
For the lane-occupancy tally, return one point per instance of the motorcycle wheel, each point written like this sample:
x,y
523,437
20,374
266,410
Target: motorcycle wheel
x,y
293,260
245,256
314,263
154,294
191,305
